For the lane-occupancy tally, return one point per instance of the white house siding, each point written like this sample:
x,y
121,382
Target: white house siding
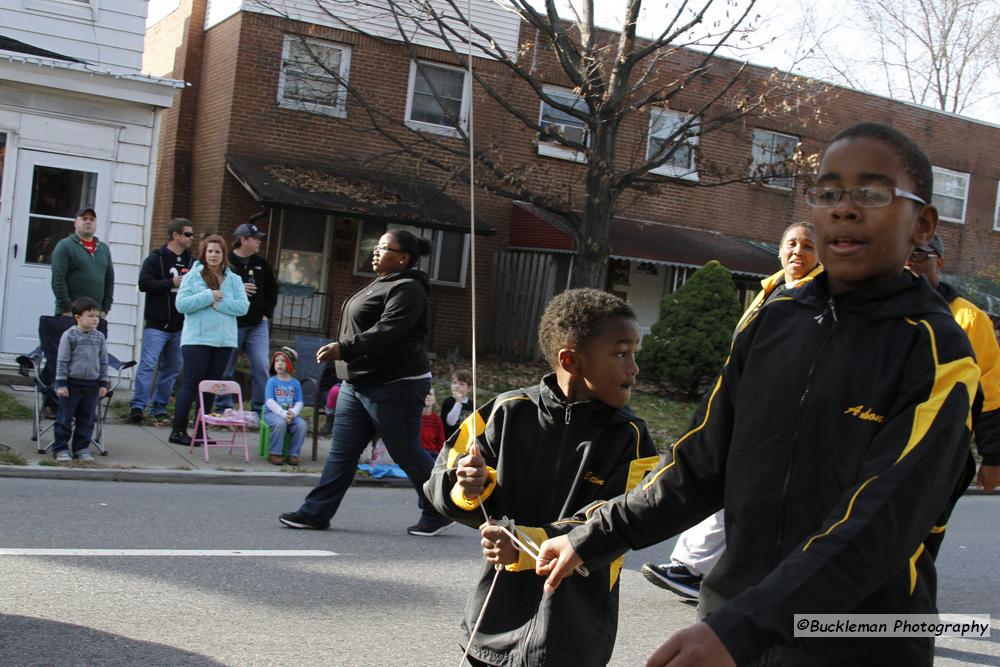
x,y
118,132
491,17
112,39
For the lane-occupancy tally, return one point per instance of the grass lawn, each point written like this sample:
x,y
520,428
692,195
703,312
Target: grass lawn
x,y
11,409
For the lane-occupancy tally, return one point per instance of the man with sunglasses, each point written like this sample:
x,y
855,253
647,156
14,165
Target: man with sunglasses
x,y
928,261
159,278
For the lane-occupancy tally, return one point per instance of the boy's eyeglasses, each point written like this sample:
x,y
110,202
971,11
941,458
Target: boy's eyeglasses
x,y
922,255
865,196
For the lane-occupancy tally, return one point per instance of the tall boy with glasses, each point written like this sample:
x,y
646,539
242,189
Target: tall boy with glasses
x,y
836,436
159,279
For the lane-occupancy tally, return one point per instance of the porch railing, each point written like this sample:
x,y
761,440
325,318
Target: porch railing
x,y
301,310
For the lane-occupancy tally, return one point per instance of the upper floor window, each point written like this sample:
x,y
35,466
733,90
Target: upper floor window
x,y
569,126
312,76
951,191
662,126
71,9
445,265
772,158
996,213
438,101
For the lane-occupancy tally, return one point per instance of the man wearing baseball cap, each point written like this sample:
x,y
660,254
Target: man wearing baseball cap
x,y
81,266
262,289
928,261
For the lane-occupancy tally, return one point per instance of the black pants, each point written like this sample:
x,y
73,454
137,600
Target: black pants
x,y
201,362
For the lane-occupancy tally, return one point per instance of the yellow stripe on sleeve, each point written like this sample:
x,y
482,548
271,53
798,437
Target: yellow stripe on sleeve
x,y
844,518
913,568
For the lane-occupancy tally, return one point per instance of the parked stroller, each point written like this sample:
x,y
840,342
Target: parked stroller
x,y
40,364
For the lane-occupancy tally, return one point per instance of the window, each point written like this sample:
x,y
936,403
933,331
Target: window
x,y
312,76
69,9
662,125
571,127
951,190
438,100
996,213
56,195
445,264
772,155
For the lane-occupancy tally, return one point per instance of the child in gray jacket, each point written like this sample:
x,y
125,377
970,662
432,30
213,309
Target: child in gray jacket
x,y
81,379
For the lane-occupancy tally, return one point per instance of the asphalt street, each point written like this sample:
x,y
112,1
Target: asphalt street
x,y
229,585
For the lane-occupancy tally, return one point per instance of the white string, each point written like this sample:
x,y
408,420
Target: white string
x,y
472,210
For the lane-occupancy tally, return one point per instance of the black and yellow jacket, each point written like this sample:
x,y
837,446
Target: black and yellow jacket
x,y
979,328
837,437
554,462
768,286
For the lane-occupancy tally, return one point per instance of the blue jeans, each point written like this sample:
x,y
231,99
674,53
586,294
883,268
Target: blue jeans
x,y
279,427
158,348
255,342
393,411
201,362
80,406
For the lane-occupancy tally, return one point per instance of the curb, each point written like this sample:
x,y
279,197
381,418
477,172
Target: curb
x,y
162,476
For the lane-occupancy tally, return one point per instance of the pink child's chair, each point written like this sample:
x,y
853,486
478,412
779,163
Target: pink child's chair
x,y
236,421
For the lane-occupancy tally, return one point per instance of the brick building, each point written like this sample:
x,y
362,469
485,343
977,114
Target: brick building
x,y
248,135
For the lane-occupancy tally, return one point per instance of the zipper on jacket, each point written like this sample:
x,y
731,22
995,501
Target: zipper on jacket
x,y
831,308
790,460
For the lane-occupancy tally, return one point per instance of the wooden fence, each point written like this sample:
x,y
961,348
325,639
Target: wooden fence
x,y
521,284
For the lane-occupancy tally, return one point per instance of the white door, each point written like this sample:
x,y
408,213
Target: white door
x,y
48,191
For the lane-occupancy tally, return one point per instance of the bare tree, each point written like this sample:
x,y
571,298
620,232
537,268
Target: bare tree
x,y
611,83
939,53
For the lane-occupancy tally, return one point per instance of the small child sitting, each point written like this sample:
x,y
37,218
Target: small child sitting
x,y
283,403
458,406
431,426
81,379
331,410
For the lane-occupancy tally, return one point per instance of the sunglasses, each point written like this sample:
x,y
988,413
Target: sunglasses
x,y
188,234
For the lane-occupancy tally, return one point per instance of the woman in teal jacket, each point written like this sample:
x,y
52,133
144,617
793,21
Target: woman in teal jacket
x,y
211,297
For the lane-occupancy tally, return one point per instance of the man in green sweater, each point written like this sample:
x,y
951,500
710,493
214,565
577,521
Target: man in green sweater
x,y
81,266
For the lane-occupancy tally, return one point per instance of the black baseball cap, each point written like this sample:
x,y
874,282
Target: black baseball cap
x,y
935,246
84,210
248,229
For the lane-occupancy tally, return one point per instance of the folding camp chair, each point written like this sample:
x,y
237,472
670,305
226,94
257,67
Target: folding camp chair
x,y
235,420
39,366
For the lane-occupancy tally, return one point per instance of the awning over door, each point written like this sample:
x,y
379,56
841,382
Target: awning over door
x,y
352,192
533,228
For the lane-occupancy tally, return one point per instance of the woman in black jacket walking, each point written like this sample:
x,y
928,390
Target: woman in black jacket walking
x,y
380,353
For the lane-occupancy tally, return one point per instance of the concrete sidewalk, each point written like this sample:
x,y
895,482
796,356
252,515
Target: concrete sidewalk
x,y
142,454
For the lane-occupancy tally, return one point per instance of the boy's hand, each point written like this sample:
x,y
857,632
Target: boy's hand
x,y
556,559
471,473
62,392
988,477
694,646
102,392
289,416
498,548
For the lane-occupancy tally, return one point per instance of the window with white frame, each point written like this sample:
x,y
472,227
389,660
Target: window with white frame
x,y
312,76
951,192
996,212
438,100
446,264
773,153
663,124
569,126
72,9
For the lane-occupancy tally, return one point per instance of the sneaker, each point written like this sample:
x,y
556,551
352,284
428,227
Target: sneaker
x,y
673,577
276,459
300,520
135,416
293,460
161,420
84,455
425,528
63,456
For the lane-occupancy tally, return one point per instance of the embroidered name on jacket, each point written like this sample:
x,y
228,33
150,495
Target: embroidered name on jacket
x,y
593,479
864,414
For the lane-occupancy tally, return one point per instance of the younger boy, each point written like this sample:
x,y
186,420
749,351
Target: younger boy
x,y
458,406
547,456
837,436
81,379
431,427
283,403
